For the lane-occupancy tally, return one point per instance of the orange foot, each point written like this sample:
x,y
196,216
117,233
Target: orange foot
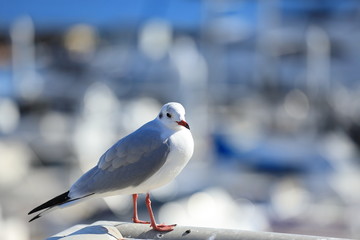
x,y
135,220
163,227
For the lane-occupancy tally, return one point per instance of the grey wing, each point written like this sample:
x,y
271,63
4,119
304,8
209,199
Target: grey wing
x,y
129,162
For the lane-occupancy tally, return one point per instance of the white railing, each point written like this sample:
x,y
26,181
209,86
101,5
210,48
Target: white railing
x,y
122,230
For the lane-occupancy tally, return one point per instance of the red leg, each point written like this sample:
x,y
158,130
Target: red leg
x,y
135,214
156,227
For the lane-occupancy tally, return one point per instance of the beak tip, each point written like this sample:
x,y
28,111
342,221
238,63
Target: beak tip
x,y
184,124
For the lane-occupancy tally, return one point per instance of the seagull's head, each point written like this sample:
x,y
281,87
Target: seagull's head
x,y
172,115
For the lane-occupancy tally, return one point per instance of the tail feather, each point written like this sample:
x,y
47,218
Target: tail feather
x,y
52,204
36,217
62,198
50,209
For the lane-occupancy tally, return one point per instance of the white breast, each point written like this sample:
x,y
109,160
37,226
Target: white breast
x,y
181,150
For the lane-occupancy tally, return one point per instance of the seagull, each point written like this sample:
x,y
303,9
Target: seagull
x,y
148,158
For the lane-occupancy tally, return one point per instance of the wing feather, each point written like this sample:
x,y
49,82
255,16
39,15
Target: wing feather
x,y
130,161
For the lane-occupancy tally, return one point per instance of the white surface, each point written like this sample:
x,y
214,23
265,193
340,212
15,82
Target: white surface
x,y
96,231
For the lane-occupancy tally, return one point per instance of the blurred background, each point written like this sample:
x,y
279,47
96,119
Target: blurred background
x,y
270,87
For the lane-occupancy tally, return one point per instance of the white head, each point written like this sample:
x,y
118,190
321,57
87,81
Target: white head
x,y
172,115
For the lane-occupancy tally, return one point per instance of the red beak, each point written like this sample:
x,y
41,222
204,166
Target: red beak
x,y
183,123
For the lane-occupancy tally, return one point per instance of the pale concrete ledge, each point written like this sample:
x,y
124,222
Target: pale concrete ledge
x,y
121,230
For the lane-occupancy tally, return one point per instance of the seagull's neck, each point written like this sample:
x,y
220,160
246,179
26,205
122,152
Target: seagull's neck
x,y
166,128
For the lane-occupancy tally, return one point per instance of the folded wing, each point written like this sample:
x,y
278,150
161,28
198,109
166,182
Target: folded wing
x,y
129,162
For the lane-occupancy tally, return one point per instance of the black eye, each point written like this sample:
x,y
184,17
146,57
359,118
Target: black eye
x,y
168,115
160,115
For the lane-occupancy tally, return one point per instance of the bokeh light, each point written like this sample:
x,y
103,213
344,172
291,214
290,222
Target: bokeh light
x,y
271,93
